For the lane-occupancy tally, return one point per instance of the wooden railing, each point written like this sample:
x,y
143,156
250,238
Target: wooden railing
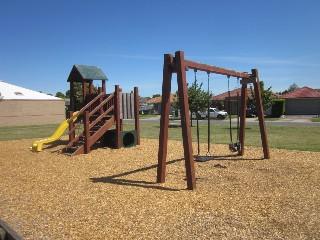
x,y
96,105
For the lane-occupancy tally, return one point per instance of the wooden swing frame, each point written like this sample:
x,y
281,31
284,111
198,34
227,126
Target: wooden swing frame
x,y
179,65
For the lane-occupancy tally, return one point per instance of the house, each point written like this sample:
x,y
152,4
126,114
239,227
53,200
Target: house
x,y
21,106
221,101
303,101
156,102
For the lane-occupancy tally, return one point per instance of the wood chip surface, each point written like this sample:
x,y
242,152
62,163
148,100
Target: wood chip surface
x,y
112,194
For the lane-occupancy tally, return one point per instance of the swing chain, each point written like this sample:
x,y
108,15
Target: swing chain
x,y
232,146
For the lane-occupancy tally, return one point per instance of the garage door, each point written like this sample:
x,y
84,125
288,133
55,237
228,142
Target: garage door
x,y
304,106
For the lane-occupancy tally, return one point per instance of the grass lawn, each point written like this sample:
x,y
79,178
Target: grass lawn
x,y
281,137
145,116
315,119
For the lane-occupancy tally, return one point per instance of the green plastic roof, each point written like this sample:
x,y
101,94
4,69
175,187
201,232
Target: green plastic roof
x,y
82,73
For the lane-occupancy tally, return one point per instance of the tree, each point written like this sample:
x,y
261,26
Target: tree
x,y
291,88
77,86
197,98
155,95
266,96
60,95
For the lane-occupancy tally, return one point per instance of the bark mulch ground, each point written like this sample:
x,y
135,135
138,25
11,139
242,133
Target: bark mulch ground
x,y
112,194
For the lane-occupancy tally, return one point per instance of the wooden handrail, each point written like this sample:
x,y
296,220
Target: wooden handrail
x,y
85,107
101,105
100,117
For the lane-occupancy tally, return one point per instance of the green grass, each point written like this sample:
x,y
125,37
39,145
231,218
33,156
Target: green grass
x,y
26,132
271,119
283,137
145,116
315,119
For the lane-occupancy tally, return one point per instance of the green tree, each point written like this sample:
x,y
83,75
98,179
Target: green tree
x,y
198,99
60,95
77,86
291,88
266,96
68,94
156,95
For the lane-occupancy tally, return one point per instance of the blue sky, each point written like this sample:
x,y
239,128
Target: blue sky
x,y
41,41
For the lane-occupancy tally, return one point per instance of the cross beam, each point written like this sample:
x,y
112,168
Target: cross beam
x,y
214,69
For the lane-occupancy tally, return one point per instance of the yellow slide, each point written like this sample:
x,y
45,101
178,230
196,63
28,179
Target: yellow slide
x,y
37,145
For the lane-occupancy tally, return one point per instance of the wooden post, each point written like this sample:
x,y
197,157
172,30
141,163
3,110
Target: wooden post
x,y
185,119
84,92
72,98
136,114
71,126
117,116
121,109
86,133
243,115
101,100
104,86
262,124
164,120
91,88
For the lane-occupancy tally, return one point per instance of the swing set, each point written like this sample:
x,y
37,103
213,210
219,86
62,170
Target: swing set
x,y
179,65
233,146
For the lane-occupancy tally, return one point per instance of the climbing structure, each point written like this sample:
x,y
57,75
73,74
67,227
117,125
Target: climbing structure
x,y
99,112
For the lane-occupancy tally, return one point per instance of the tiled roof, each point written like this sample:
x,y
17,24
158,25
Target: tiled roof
x,y
12,92
233,93
304,92
173,97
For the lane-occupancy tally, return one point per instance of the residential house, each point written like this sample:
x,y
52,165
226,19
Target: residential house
x,y
303,101
157,103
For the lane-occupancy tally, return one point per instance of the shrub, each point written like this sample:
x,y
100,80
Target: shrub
x,y
278,107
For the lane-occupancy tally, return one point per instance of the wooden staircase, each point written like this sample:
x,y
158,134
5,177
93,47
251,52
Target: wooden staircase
x,y
98,116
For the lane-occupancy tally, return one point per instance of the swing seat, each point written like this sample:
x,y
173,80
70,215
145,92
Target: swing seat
x,y
235,147
203,158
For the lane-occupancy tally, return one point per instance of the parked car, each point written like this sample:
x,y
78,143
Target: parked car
x,y
215,113
251,112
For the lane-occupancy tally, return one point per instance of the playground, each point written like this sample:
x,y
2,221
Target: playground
x,y
113,194
101,181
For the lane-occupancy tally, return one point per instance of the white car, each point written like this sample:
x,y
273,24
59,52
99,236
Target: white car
x,y
215,113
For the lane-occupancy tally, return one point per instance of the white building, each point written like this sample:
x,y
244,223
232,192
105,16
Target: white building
x,y
21,106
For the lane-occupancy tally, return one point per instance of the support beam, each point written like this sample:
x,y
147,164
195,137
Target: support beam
x,y
164,120
84,91
262,124
104,86
185,119
91,87
87,139
72,106
243,113
136,114
117,115
213,69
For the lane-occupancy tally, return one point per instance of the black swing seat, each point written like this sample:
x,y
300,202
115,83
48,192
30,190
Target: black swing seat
x,y
235,147
203,158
